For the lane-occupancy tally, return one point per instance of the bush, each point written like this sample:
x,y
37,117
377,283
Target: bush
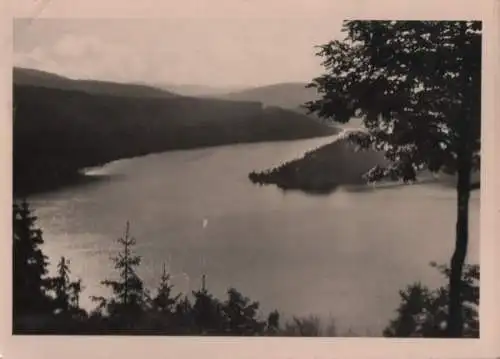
x,y
423,312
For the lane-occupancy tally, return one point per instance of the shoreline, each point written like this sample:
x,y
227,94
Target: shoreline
x,y
53,181
323,170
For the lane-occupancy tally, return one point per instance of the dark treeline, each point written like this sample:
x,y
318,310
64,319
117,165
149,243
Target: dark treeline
x,y
322,170
32,77
58,132
44,304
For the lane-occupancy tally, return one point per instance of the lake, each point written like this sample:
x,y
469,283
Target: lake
x,y
344,255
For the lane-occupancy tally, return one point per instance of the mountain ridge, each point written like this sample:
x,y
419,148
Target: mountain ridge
x,y
59,131
39,78
289,95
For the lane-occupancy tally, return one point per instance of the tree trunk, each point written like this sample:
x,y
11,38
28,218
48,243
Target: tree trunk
x,y
455,314
468,118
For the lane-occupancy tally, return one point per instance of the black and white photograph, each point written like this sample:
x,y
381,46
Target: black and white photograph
x,y
247,177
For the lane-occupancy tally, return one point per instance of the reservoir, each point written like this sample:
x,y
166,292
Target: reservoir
x,y
344,255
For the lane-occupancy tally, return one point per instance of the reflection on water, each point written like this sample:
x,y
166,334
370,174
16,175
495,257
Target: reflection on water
x,y
346,254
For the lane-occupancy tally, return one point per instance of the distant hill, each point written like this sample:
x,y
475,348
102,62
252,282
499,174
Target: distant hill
x,y
289,96
58,131
322,170
195,90
285,95
31,77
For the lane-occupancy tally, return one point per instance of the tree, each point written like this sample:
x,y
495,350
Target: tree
x,y
67,316
273,323
417,87
242,315
75,289
30,283
67,292
422,312
164,302
163,305
61,286
183,317
128,302
309,326
207,313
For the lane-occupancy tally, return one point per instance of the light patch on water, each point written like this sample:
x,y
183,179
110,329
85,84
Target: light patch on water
x,y
346,254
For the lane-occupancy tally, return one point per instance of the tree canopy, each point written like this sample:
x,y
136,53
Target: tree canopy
x,y
415,84
31,285
129,295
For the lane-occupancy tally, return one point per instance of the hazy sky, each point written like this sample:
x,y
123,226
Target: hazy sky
x,y
217,42
222,51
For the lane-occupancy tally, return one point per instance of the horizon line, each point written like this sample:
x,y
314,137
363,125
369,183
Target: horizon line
x,y
165,83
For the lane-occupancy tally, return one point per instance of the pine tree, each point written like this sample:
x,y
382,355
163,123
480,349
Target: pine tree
x,y
164,302
207,313
68,317
61,286
30,284
184,318
67,292
129,300
75,289
273,323
242,315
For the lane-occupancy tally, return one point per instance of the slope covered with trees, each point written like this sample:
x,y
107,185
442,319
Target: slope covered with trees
x,y
58,131
285,95
32,77
322,170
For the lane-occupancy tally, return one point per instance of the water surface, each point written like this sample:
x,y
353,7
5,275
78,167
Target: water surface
x,y
344,255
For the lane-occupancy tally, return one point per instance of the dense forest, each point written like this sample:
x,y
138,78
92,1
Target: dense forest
x,y
32,77
59,131
49,303
285,95
322,170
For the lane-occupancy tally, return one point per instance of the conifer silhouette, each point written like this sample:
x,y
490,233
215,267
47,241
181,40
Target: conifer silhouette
x,y
129,299
30,283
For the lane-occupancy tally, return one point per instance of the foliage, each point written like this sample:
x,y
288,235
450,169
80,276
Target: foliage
x,y
309,326
183,317
129,298
164,306
40,301
423,312
273,323
164,302
130,310
207,313
323,170
30,282
242,314
67,292
416,85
